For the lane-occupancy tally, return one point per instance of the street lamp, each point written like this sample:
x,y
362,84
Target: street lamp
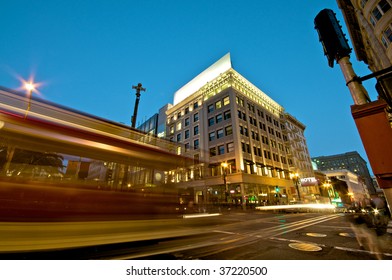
x,y
30,87
138,89
225,165
328,185
295,178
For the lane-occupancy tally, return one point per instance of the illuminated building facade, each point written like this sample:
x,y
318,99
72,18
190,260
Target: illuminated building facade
x,y
243,143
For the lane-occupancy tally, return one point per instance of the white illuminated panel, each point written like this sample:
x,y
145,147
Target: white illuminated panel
x,y
219,67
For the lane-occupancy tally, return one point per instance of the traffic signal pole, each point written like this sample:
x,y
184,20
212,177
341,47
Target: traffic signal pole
x,y
358,92
370,117
336,48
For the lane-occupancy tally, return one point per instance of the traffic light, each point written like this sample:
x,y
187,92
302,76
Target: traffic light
x,y
277,189
331,36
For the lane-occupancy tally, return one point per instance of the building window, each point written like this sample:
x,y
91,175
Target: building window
x,y
387,36
179,115
267,154
213,152
187,121
178,150
239,101
195,105
195,117
196,144
210,108
186,110
246,133
196,130
226,101
172,129
211,136
179,137
211,121
381,8
218,118
186,134
218,104
228,130
219,133
178,126
227,115
230,147
187,147
221,149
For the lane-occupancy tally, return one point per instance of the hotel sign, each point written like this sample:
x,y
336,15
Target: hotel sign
x,y
310,181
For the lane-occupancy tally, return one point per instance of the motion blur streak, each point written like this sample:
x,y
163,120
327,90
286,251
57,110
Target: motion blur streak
x,y
297,206
60,235
67,177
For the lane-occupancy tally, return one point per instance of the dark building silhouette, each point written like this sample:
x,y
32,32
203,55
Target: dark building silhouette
x,y
351,161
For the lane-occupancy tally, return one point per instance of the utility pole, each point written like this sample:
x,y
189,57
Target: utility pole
x,y
138,89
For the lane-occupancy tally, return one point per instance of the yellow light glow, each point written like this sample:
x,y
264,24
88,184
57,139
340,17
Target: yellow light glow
x,y
29,86
224,164
302,206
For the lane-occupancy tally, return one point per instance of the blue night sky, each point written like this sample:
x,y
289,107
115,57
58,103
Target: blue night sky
x,y
87,55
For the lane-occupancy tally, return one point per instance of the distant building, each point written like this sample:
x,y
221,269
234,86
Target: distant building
x,y
351,161
156,125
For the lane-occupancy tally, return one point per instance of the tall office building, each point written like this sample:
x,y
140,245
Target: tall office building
x,y
351,161
243,143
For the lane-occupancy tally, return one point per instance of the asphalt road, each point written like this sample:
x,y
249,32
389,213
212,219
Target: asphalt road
x,y
237,235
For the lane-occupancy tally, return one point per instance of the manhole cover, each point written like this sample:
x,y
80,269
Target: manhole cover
x,y
346,234
316,234
305,247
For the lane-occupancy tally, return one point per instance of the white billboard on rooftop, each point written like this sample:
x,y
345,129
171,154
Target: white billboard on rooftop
x,y
212,72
